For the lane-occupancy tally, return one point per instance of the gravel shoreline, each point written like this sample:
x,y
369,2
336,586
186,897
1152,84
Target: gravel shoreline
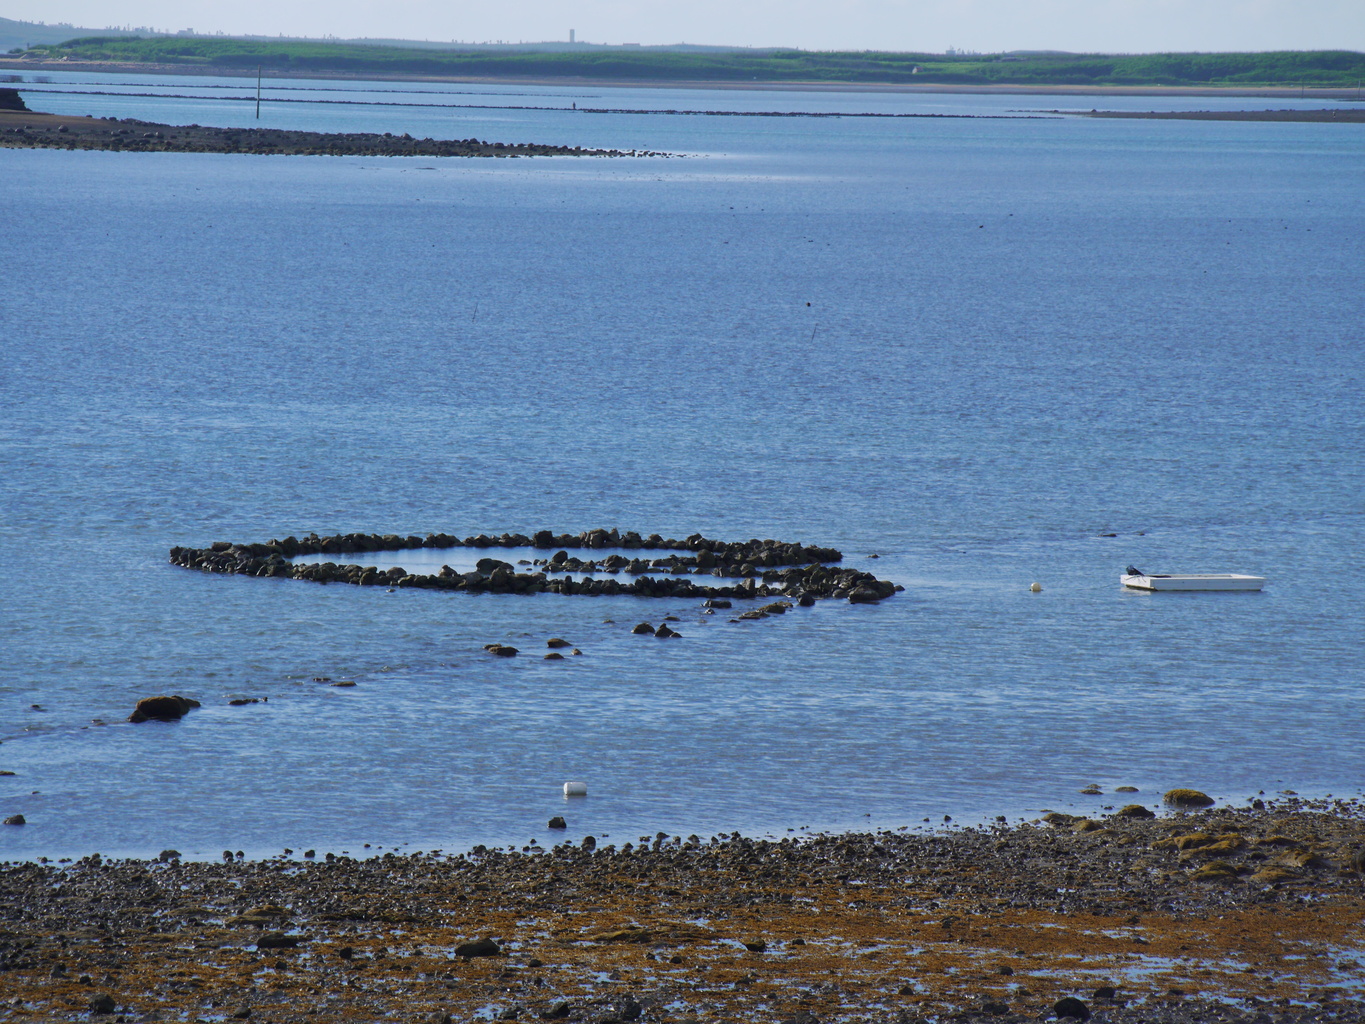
x,y
1221,915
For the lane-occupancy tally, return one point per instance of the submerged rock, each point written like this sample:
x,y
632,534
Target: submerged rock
x,y
162,708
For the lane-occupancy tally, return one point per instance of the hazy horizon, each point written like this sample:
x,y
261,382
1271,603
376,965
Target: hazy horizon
x,y
1096,26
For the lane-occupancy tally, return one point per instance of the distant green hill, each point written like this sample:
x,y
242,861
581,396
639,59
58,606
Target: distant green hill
x,y
1338,68
28,33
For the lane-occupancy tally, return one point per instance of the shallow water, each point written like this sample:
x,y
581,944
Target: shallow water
x,y
1021,336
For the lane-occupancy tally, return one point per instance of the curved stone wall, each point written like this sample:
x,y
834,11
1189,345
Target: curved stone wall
x,y
753,568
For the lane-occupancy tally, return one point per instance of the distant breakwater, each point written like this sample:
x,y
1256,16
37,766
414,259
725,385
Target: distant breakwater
x,y
759,568
31,130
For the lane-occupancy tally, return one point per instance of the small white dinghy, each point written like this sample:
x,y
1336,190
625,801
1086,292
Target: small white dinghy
x,y
1139,580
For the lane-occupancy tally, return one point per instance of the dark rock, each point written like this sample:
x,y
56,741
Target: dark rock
x,y
162,709
642,629
1070,1006
103,1004
554,656
481,947
558,822
1187,798
278,940
995,1009
1134,811
501,650
16,819
558,1011
665,633
556,642
346,952
165,856
806,600
1105,992
1006,970
757,946
11,100
589,843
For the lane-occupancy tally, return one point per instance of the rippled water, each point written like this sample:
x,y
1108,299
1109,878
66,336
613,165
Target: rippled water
x,y
973,348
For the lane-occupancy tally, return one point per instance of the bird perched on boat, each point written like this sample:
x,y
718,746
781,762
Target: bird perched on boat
x,y
1131,571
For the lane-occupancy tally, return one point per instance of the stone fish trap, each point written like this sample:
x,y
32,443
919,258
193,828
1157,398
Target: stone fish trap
x,y
763,568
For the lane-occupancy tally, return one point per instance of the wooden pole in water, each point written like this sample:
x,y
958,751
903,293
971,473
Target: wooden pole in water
x,y
258,92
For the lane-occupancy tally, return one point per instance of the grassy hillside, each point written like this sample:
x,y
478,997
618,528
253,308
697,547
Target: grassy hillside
x,y
1338,68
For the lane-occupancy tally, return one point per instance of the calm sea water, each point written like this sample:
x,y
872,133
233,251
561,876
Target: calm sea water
x,y
973,348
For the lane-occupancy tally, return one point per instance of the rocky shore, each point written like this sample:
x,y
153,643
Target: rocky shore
x,y
28,130
1250,914
761,568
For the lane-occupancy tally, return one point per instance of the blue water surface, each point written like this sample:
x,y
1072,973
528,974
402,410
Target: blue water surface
x,y
976,348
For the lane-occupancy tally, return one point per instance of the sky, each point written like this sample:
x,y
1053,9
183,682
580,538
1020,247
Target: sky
x,y
985,26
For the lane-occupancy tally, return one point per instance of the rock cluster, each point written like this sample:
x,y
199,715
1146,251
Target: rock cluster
x,y
761,568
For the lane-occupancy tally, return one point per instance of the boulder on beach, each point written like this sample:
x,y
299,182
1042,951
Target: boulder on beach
x,y
162,708
11,100
1071,1008
482,947
1187,798
1134,811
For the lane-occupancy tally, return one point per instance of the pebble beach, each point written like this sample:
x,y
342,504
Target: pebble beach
x,y
1249,914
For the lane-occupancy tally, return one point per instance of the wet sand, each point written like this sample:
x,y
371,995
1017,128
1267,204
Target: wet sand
x,y
1220,915
29,130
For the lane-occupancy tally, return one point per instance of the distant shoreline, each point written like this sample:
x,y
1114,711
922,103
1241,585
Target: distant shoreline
x,y
1299,116
109,67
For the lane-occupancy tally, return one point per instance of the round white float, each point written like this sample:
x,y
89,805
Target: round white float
x,y
1037,588
575,789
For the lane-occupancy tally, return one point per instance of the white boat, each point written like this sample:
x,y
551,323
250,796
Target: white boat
x,y
1190,580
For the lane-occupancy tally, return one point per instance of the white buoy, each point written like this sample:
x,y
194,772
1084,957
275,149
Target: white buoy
x,y
1037,588
575,789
